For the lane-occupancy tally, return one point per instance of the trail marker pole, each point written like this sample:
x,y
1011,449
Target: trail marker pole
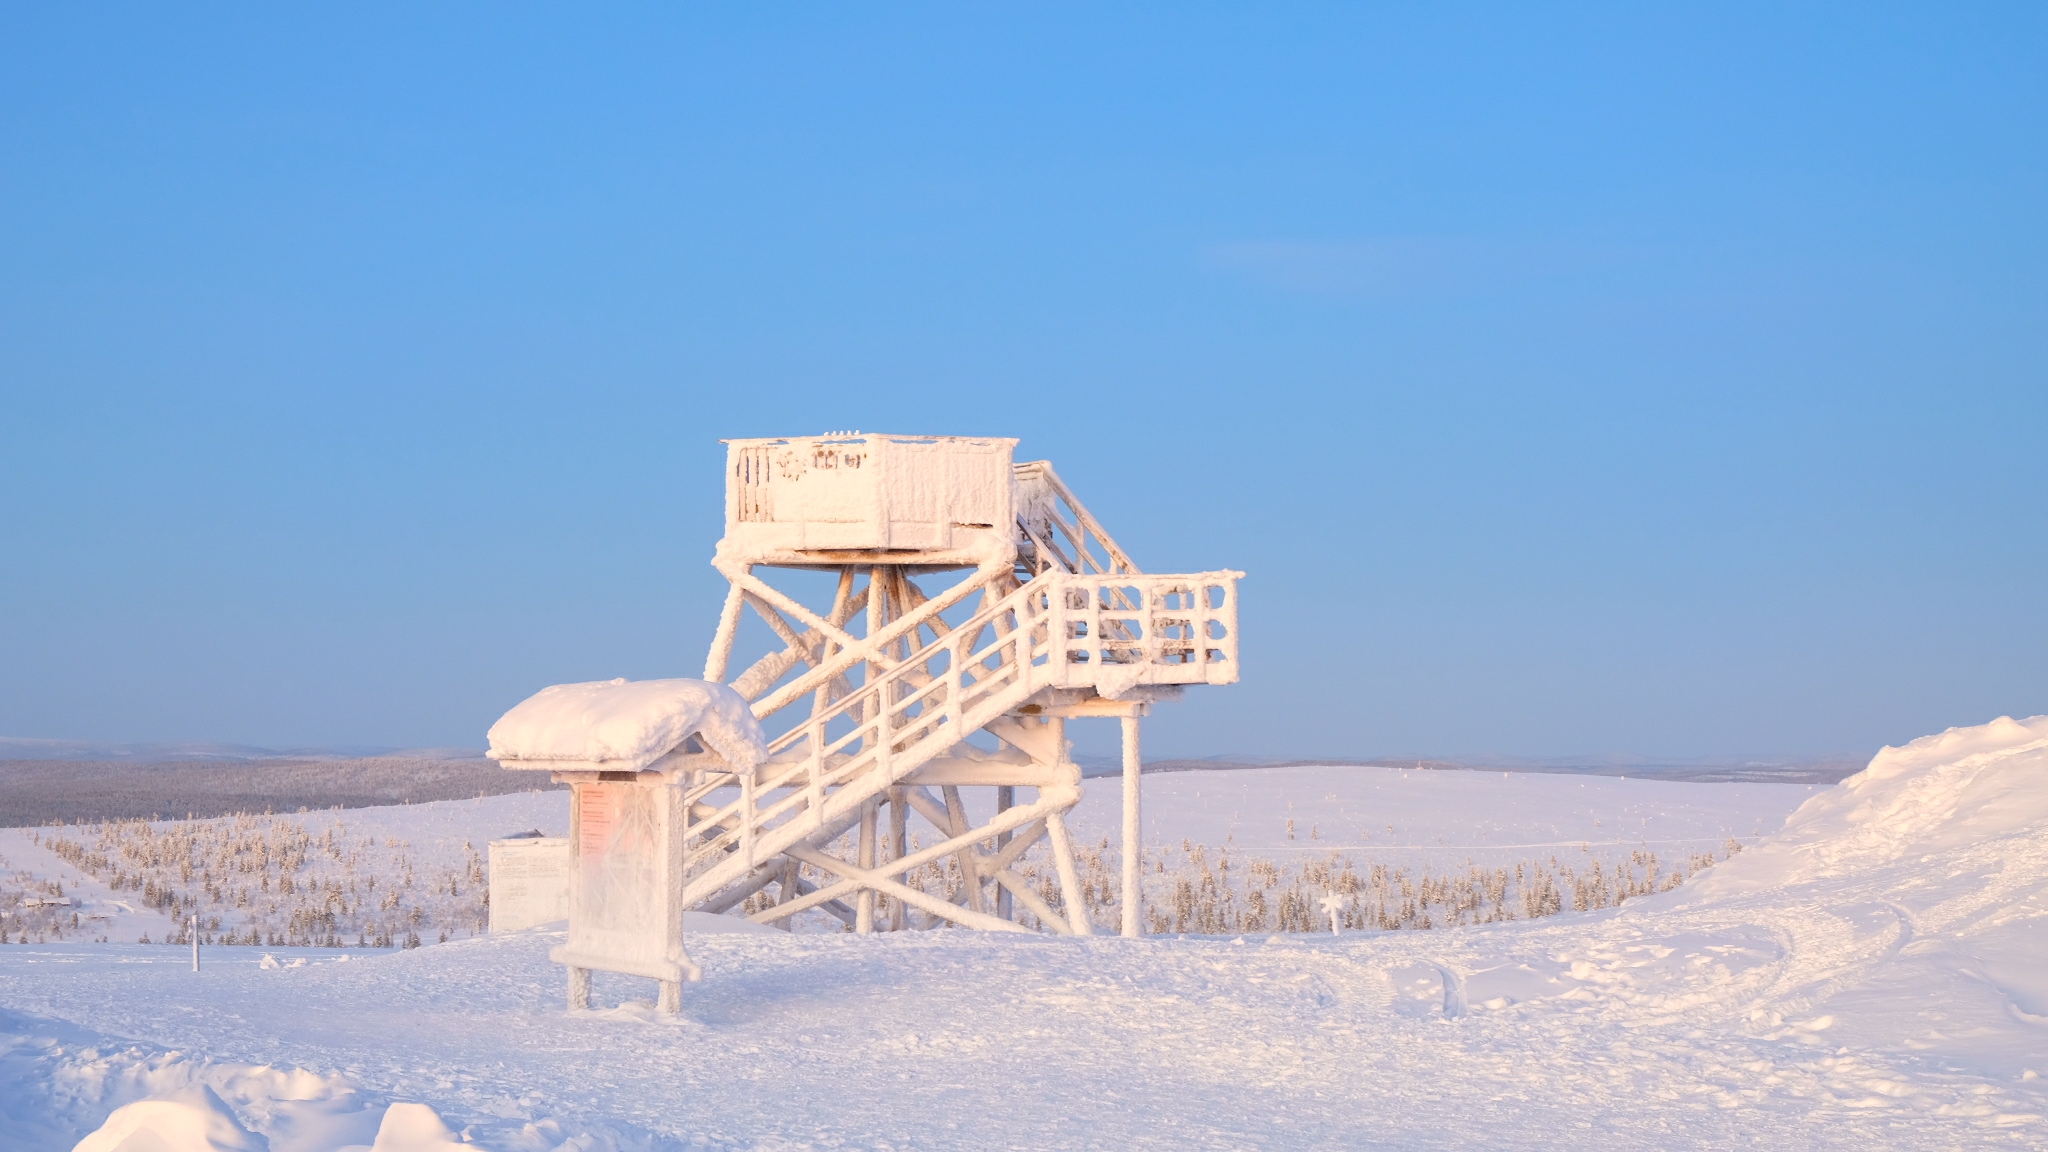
x,y
195,943
1332,905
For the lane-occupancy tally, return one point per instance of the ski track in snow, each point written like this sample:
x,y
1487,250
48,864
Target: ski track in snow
x,y
1870,978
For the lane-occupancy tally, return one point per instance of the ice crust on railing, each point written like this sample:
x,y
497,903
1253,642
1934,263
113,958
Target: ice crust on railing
x,y
626,725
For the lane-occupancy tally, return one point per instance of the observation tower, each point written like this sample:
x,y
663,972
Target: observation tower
x,y
974,608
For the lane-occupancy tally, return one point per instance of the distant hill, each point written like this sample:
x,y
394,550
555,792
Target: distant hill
x,y
1819,770
40,791
27,748
78,780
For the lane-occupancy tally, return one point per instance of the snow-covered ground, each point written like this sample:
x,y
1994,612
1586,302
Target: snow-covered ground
x,y
427,857
1869,977
1436,819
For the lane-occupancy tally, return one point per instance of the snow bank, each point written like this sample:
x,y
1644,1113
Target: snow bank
x,y
63,1086
1911,902
1958,789
188,1120
625,725
57,1081
196,1119
413,1128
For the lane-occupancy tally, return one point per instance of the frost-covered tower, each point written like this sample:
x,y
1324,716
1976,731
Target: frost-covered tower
x,y
968,595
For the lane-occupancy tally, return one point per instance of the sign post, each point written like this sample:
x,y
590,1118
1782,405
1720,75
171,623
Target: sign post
x,y
626,885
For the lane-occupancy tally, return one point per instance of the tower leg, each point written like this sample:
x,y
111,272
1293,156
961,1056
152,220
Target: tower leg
x,y
671,1002
1006,796
899,847
864,907
721,642
1070,882
579,989
1134,844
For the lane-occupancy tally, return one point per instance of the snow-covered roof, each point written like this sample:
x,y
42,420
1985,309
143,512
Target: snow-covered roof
x,y
625,725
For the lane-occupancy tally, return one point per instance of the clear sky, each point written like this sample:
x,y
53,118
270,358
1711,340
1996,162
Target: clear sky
x,y
1666,378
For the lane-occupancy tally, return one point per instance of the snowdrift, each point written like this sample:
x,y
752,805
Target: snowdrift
x,y
186,1120
1912,903
1962,789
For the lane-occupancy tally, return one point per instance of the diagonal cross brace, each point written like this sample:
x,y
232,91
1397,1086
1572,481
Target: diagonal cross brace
x,y
856,878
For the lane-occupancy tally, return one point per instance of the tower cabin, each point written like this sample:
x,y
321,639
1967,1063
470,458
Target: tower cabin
x,y
847,498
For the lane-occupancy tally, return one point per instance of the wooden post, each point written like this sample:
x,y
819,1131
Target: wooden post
x,y
970,870
1134,842
864,910
878,610
899,843
1062,844
1006,797
626,834
1070,882
785,888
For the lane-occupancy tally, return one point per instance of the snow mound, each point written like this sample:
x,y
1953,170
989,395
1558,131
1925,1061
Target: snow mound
x,y
625,725
413,1128
187,1120
1909,906
1957,789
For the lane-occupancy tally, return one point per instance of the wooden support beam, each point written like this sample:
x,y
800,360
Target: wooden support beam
x,y
1007,855
1006,797
1091,705
763,674
1035,739
721,641
1014,818
847,658
875,881
766,591
836,908
956,814
899,837
1070,883
1015,885
747,885
864,922
927,806
786,884
960,771
1134,841
842,611
802,644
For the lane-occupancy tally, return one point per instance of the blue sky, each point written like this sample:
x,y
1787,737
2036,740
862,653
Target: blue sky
x,y
1577,380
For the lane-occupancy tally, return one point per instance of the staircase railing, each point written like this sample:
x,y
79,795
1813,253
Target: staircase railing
x,y
871,737
1060,629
